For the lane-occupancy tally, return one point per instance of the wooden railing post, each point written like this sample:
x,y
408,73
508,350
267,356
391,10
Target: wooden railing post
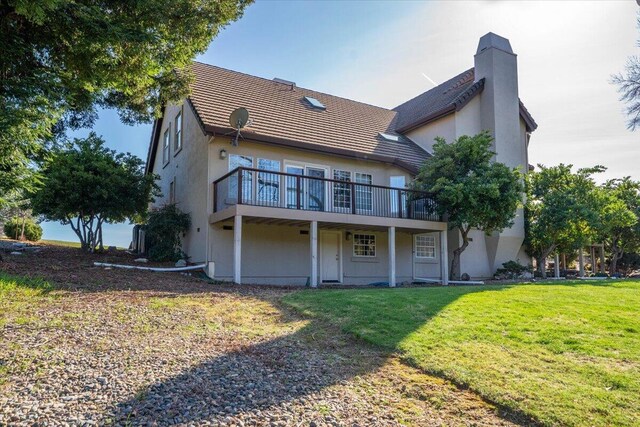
x,y
399,203
239,186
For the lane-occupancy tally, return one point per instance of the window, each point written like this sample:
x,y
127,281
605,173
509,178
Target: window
x,y
269,183
389,137
315,103
364,245
425,246
342,191
236,161
363,192
177,140
165,147
172,191
294,187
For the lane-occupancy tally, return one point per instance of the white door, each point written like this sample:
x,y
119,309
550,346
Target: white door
x,y
330,255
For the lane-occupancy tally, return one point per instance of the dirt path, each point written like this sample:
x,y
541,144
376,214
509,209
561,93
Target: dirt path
x,y
137,348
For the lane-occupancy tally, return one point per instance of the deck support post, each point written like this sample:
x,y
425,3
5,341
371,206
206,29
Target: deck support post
x,y
313,238
392,257
444,258
581,262
556,266
237,248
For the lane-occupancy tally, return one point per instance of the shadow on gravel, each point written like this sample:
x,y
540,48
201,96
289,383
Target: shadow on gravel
x,y
279,372
250,380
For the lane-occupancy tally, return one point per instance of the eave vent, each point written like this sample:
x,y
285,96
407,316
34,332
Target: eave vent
x,y
315,103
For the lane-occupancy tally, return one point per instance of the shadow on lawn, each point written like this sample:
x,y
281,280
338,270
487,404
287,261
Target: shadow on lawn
x,y
278,372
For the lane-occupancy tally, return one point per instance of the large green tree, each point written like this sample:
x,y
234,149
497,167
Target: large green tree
x,y
472,190
62,59
85,184
619,218
561,211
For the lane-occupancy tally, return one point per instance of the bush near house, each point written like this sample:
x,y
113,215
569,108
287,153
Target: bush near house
x,y
32,231
163,230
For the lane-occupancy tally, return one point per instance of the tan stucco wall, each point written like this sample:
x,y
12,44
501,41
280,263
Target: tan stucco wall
x,y
281,255
188,167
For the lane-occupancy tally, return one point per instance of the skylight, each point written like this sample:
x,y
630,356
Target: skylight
x,y
315,103
389,137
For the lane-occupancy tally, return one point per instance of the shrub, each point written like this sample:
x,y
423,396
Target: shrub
x,y
163,230
512,269
32,231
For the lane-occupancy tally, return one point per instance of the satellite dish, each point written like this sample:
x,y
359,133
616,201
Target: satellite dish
x,y
238,119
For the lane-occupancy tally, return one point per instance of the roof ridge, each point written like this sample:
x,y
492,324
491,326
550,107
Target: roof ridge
x,y
297,87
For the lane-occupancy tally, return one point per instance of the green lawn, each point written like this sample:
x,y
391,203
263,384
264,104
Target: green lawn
x,y
62,243
564,354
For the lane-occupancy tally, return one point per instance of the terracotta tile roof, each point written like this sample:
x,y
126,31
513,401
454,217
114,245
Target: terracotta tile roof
x,y
279,113
443,99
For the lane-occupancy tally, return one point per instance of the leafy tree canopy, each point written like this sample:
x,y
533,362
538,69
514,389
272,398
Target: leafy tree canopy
x,y
85,184
469,188
561,211
619,218
61,59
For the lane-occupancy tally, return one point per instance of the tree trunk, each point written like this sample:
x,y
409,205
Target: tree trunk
x,y
24,220
542,266
455,262
616,254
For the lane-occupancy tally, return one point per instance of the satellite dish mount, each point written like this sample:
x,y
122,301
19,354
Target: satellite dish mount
x,y
238,119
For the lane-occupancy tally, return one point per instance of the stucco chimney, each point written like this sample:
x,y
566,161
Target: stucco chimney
x,y
500,110
500,114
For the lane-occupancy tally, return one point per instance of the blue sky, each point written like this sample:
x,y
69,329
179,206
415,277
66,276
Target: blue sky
x,y
386,52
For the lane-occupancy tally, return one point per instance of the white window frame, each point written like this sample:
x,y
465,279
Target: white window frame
x,y
347,189
271,178
172,191
418,246
166,146
234,178
177,133
363,190
371,238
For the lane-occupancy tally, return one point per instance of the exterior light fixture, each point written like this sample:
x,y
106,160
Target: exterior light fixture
x,y
223,154
348,236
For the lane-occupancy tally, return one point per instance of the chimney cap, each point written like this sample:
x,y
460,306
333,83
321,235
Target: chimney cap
x,y
490,40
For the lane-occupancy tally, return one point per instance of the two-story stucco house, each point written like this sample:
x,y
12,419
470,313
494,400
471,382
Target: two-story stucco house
x,y
315,190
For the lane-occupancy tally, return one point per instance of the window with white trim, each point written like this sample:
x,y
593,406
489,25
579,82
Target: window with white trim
x,y
425,246
364,245
236,161
172,191
342,190
177,139
364,192
268,183
165,146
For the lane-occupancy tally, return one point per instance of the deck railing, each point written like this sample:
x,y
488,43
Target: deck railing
x,y
258,187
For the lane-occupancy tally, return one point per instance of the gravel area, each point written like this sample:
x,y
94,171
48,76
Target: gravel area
x,y
120,347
